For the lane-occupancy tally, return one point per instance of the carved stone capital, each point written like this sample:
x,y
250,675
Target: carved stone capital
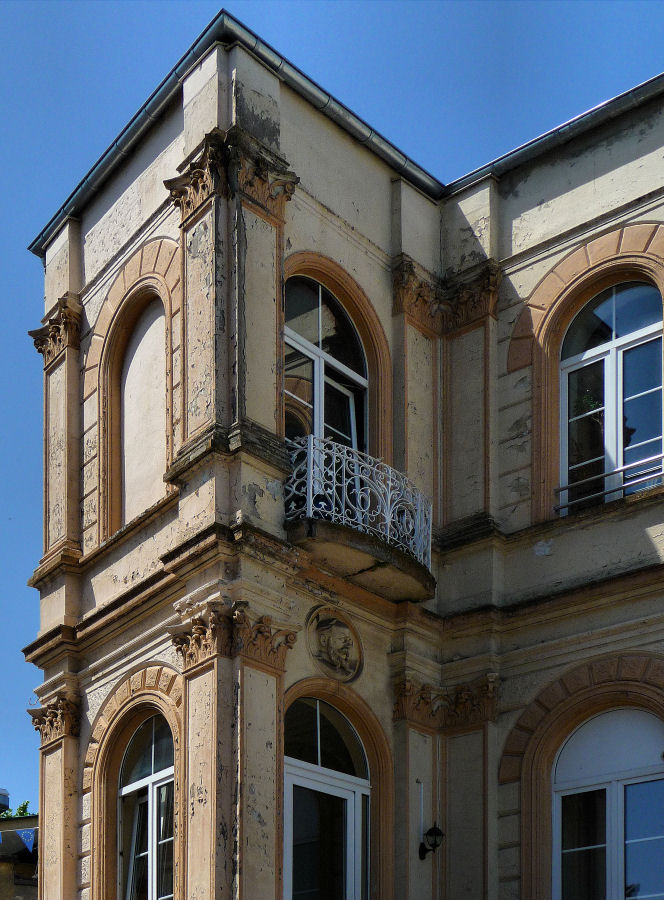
x,y
416,703
61,331
230,164
470,299
468,705
416,295
259,643
57,719
205,638
459,708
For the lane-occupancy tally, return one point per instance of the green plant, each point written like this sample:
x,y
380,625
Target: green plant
x,y
21,810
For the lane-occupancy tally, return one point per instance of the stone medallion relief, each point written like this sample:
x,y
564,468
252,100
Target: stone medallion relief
x,y
334,644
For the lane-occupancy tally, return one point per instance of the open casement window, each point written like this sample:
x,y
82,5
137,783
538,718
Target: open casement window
x,y
326,805
608,809
145,815
611,397
325,371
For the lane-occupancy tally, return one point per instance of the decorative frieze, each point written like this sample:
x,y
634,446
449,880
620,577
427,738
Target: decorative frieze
x,y
232,633
459,708
230,164
61,331
471,298
57,719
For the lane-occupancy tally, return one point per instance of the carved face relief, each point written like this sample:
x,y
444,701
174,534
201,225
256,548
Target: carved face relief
x,y
334,644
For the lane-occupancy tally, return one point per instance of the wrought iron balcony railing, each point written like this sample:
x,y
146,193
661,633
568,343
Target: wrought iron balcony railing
x,y
338,484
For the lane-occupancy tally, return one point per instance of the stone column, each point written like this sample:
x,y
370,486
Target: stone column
x,y
233,669
58,723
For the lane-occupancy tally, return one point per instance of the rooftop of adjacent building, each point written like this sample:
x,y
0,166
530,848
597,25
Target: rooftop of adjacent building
x,y
226,29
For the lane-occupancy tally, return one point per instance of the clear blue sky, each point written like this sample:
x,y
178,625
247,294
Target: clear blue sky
x,y
452,84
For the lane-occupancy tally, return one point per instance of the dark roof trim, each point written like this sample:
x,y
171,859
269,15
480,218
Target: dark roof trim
x,y
227,30
596,116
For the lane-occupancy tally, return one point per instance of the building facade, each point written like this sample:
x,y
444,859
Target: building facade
x,y
354,524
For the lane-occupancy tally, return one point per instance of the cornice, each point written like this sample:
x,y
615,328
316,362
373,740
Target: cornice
x,y
61,331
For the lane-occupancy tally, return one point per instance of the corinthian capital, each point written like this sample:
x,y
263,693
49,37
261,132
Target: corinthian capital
x,y
470,297
62,330
56,719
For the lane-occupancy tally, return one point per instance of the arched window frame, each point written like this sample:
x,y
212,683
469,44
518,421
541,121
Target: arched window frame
x,y
611,782
115,724
121,329
633,252
366,322
610,356
381,774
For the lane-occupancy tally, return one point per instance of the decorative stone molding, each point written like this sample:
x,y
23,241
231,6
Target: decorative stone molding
x,y
230,164
57,719
416,704
417,296
469,299
158,682
334,644
258,643
460,708
204,639
61,331
213,632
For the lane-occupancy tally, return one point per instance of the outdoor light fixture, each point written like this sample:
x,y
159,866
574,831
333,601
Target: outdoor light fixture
x,y
433,838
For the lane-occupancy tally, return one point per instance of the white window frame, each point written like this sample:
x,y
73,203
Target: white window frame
x,y
610,353
349,788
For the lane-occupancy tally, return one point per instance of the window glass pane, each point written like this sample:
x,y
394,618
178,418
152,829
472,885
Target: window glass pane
x,y
302,308
586,439
338,414
637,306
585,389
583,845
642,368
137,761
340,747
642,418
135,845
591,327
165,811
644,810
163,744
299,393
319,845
338,337
584,874
139,882
584,819
300,731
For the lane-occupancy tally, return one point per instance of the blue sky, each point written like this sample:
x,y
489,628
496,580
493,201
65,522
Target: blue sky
x,y
452,84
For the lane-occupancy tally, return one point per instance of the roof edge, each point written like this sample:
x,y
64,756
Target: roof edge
x,y
561,134
224,28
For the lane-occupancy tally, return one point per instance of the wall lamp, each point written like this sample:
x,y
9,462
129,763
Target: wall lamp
x,y
433,838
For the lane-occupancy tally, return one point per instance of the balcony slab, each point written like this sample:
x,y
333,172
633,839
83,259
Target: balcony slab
x,y
363,560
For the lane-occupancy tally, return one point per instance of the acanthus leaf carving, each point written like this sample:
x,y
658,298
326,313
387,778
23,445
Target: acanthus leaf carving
x,y
230,164
58,718
259,643
62,330
215,632
465,300
417,295
464,706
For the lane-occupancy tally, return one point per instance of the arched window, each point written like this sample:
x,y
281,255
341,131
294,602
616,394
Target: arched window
x,y
325,370
608,810
143,414
611,397
145,814
326,805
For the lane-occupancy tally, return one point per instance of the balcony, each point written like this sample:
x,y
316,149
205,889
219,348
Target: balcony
x,y
360,519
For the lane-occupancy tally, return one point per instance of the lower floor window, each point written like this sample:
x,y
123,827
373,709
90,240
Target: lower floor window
x,y
609,810
326,806
146,814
